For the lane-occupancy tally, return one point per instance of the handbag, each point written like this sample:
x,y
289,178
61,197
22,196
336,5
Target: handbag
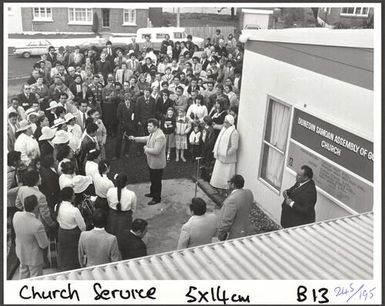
x,y
87,207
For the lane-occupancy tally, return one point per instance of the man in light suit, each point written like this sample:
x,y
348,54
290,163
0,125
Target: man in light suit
x,y
234,217
200,228
123,74
31,239
81,115
300,199
155,149
98,247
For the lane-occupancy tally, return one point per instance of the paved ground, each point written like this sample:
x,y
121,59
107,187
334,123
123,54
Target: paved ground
x,y
165,219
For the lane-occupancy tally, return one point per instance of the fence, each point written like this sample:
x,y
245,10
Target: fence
x,y
207,31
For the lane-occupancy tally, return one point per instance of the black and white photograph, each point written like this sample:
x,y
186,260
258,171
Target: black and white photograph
x,y
201,141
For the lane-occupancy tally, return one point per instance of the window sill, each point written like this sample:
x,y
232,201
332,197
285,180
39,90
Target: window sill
x,y
79,23
42,20
268,185
129,24
354,16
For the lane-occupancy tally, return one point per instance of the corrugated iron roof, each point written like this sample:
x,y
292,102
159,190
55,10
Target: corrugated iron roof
x,y
336,249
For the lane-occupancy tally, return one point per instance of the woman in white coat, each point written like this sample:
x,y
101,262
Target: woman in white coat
x,y
225,154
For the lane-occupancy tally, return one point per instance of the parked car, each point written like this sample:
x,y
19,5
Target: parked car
x,y
34,47
157,35
100,43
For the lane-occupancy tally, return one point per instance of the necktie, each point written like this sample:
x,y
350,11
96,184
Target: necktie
x,y
84,119
124,72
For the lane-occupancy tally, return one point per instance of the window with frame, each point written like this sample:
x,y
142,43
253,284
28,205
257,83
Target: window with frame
x,y
80,15
274,143
42,13
161,35
355,11
129,16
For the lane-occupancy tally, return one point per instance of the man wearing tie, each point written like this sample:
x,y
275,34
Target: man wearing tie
x,y
81,115
144,110
110,53
123,74
133,63
26,98
299,200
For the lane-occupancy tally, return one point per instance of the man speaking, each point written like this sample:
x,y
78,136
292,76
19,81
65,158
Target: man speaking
x,y
155,150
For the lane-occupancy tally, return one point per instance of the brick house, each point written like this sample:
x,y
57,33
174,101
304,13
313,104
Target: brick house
x,y
80,20
345,17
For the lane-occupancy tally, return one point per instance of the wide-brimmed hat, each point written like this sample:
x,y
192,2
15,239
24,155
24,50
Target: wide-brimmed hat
x,y
29,112
57,122
61,137
68,117
52,105
47,133
24,125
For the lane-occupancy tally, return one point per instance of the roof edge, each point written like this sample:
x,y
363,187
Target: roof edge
x,y
355,38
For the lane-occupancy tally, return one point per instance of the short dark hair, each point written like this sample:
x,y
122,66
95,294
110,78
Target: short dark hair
x,y
103,165
91,128
91,112
189,36
12,115
68,167
99,218
238,181
155,122
307,171
66,194
65,94
63,152
92,154
47,160
208,120
164,83
13,157
139,225
30,203
198,206
31,177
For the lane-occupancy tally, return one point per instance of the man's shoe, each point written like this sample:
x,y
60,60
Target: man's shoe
x,y
153,202
148,195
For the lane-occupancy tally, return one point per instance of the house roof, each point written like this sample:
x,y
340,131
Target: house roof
x,y
336,249
356,38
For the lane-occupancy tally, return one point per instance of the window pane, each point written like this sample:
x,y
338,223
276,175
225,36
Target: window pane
x,y
178,35
358,11
272,166
36,12
364,10
344,10
351,10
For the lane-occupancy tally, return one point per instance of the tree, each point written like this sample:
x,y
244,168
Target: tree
x,y
95,24
315,14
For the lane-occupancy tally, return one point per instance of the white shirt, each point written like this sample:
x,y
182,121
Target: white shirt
x,y
195,138
127,199
199,111
79,183
28,146
70,217
102,185
92,169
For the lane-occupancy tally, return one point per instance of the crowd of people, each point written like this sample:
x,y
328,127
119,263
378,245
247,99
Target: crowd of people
x,y
182,106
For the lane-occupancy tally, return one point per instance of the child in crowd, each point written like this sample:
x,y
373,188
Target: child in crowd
x,y
168,127
195,141
182,128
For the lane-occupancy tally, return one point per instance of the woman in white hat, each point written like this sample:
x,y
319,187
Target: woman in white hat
x,y
32,118
74,131
225,154
61,139
26,144
50,112
81,184
45,141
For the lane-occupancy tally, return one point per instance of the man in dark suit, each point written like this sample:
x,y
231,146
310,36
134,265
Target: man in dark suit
x,y
234,218
88,143
51,56
300,199
133,46
26,98
145,109
130,241
163,104
125,116
49,181
104,67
